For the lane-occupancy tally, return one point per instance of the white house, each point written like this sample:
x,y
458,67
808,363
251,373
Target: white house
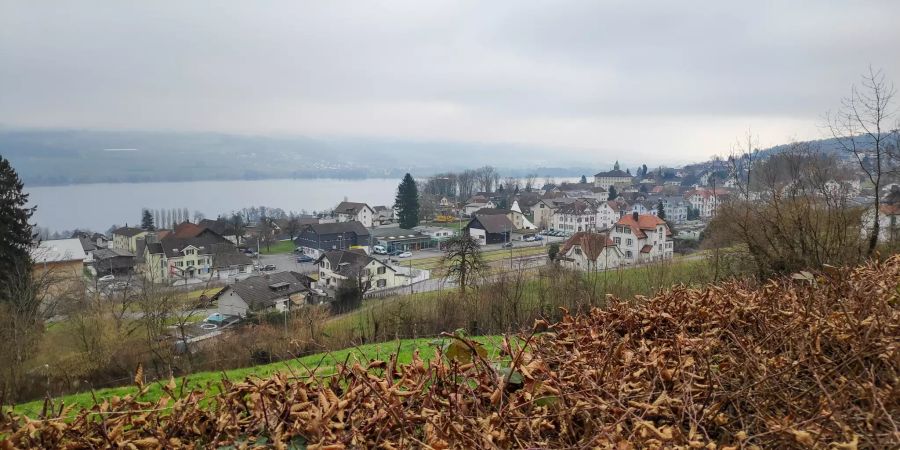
x,y
888,220
676,209
706,200
590,251
608,213
338,266
643,238
272,292
580,215
472,207
352,211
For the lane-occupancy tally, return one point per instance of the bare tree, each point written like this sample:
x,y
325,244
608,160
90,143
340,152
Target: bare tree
x,y
487,178
466,184
529,181
266,231
292,226
463,260
861,128
29,300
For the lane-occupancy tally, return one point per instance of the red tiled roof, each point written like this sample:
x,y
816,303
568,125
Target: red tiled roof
x,y
646,248
644,222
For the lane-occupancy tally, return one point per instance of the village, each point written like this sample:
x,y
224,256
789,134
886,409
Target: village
x,y
247,267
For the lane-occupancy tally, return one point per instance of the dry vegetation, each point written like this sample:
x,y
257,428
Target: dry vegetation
x,y
800,362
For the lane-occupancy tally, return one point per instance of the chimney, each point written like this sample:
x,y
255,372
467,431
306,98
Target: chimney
x,y
634,216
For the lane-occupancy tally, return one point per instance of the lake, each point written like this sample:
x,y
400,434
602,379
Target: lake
x,y
98,206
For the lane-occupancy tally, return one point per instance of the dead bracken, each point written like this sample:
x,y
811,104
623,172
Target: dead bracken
x,y
809,361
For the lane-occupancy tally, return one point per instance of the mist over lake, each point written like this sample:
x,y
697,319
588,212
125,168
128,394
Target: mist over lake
x,y
98,206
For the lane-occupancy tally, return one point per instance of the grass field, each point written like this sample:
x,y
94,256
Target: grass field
x,y
321,364
434,262
278,247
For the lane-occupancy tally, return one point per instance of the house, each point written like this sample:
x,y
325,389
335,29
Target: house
x,y
519,221
279,291
542,211
220,227
316,238
61,261
675,208
204,256
490,228
642,238
394,238
608,213
706,200
112,261
613,177
383,215
470,208
888,220
126,238
91,241
436,234
580,215
589,251
353,211
338,266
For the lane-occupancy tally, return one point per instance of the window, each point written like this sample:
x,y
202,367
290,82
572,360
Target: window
x,y
381,283
617,240
628,242
628,253
381,270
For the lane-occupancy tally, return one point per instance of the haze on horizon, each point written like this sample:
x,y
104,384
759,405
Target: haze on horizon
x,y
658,80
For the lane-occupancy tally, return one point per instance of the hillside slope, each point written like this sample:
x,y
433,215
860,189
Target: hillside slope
x,y
801,362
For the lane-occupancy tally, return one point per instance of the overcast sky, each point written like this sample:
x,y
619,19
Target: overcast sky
x,y
674,81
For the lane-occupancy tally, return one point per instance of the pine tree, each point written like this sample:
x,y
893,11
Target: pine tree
x,y
16,234
147,220
407,202
583,179
612,193
660,210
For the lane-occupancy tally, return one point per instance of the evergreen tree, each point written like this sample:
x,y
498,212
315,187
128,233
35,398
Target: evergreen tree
x,y
612,193
644,170
16,234
616,165
583,179
147,220
660,210
407,202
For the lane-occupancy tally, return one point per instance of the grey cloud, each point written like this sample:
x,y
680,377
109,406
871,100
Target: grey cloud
x,y
577,74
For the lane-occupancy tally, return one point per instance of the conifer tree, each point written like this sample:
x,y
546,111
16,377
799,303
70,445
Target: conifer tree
x,y
407,202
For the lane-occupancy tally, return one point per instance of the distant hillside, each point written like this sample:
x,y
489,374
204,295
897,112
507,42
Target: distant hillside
x,y
53,157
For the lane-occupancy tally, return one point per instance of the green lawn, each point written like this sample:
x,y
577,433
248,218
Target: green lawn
x,y
455,225
278,247
320,364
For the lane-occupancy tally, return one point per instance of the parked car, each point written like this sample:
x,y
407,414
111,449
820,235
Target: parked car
x,y
508,245
538,237
106,278
268,267
304,259
529,239
379,250
395,253
404,255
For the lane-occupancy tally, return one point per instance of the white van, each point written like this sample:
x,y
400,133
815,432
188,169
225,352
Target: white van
x,y
379,250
